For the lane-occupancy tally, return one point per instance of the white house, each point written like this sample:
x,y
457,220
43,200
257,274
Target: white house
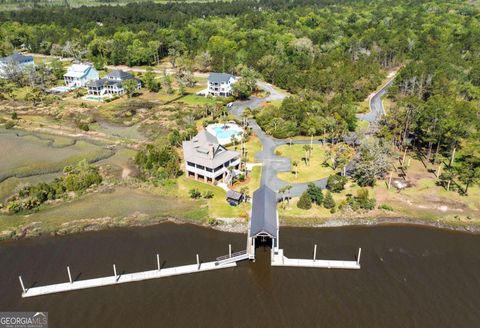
x,y
79,74
207,160
220,84
16,61
111,84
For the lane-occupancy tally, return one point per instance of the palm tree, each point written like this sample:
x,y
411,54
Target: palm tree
x,y
307,151
244,191
295,165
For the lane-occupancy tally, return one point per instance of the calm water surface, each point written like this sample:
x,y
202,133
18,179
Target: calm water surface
x,y
410,277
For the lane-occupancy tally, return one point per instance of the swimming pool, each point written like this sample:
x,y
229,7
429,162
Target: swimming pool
x,y
224,132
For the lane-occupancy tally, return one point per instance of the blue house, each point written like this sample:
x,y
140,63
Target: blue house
x,y
16,61
79,74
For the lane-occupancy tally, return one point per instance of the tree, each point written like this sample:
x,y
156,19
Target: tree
x,y
305,203
57,69
315,193
328,201
130,87
245,192
203,61
295,165
336,183
468,166
149,78
36,96
195,193
371,162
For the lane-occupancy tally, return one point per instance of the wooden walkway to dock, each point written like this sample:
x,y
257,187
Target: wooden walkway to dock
x,y
124,278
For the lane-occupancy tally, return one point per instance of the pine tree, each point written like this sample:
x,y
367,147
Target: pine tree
x,y
305,202
328,201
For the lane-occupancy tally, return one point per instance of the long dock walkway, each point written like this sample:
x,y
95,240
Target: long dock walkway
x,y
124,278
278,259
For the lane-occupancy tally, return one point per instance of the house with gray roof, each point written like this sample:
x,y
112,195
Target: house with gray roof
x,y
16,62
220,84
111,84
207,160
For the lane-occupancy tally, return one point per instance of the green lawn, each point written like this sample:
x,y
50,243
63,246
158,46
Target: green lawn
x,y
253,181
314,170
252,146
217,206
192,99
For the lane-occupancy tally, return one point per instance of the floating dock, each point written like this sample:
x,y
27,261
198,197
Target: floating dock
x,y
124,278
278,259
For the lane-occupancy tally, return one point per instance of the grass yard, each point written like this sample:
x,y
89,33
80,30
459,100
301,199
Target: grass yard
x,y
315,169
217,206
252,147
193,99
252,182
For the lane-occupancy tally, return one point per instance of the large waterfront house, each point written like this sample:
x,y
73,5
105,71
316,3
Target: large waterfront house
x,y
78,75
220,84
207,160
111,84
16,61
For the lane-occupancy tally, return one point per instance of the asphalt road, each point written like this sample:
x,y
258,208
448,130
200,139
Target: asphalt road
x,y
273,164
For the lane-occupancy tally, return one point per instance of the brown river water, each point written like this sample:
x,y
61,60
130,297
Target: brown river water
x,y
410,277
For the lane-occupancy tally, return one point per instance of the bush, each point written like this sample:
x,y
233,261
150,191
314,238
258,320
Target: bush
x,y
14,116
386,207
84,127
328,201
305,203
9,125
208,194
336,183
194,193
315,193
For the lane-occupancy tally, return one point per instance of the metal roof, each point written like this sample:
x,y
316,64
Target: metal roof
x,y
16,58
233,194
220,77
119,75
78,70
264,213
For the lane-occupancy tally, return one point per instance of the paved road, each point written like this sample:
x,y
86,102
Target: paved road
x,y
273,164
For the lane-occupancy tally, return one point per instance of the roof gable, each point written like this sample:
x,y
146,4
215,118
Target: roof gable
x,y
220,77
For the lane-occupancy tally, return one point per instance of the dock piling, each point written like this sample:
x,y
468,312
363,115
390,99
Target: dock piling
x,y
358,256
198,262
314,252
158,262
69,275
21,283
115,272
229,250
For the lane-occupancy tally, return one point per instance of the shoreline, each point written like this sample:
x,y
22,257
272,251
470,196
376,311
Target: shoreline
x,y
232,225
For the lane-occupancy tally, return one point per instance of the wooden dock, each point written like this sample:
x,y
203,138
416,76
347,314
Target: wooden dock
x,y
278,259
120,279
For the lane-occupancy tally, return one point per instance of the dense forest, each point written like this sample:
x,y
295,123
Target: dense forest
x,y
330,54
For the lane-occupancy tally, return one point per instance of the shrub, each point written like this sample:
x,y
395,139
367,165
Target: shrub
x,y
305,202
84,127
386,207
336,183
14,116
208,194
328,201
194,193
315,193
9,125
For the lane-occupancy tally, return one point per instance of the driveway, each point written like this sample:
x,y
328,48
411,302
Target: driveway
x,y
273,164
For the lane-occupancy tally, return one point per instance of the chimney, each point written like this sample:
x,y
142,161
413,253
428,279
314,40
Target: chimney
x,y
211,151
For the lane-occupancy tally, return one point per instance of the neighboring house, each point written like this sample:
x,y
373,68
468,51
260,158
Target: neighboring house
x,y
78,75
234,198
207,160
111,84
220,84
16,61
